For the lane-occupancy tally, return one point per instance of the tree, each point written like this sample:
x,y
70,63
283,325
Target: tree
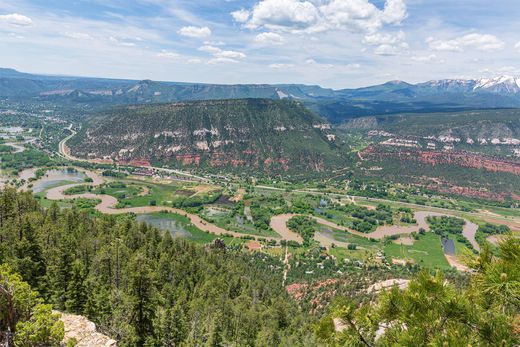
x,y
171,326
30,259
24,320
43,328
432,311
141,291
76,291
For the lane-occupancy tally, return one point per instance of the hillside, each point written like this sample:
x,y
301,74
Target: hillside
x,y
265,135
474,153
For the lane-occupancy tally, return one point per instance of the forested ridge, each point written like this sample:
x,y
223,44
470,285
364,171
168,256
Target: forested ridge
x,y
253,134
141,286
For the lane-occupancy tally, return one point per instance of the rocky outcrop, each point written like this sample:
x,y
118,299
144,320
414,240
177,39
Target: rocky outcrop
x,y
459,158
84,332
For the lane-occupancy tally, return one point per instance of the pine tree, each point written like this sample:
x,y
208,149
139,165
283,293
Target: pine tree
x,y
30,259
76,292
141,291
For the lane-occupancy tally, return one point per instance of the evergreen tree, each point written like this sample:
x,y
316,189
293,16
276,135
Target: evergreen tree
x,y
141,296
76,291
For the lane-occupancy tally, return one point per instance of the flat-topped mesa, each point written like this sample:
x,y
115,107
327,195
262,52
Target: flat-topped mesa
x,y
262,135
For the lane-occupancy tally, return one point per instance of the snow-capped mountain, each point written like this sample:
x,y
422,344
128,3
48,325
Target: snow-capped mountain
x,y
498,85
501,84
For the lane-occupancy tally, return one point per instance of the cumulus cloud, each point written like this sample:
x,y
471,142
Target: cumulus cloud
x,y
481,42
222,56
196,32
321,15
241,16
230,55
209,49
16,19
269,39
222,60
517,46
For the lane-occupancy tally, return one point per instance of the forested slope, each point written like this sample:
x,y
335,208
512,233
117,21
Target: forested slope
x,y
252,134
144,288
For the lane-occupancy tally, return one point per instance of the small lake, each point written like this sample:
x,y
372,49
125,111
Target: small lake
x,y
175,228
55,177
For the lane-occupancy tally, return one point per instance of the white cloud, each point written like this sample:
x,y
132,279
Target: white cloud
x,y
319,65
517,46
16,19
481,42
209,49
167,54
78,36
196,32
395,12
241,16
284,14
230,55
222,60
281,66
269,39
321,15
222,56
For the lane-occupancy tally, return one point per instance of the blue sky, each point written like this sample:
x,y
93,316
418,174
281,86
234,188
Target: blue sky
x,y
333,43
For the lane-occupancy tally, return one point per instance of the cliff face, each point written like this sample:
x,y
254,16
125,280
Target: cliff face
x,y
463,159
265,135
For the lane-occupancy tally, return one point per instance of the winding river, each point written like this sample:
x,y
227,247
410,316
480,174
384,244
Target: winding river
x,y
278,223
108,204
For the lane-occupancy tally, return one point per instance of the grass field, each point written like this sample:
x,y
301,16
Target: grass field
x,y
342,253
344,236
427,252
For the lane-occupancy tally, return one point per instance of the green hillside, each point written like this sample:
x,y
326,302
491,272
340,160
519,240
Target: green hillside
x,y
253,134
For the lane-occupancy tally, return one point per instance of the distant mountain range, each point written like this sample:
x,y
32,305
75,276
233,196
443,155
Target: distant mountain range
x,y
335,105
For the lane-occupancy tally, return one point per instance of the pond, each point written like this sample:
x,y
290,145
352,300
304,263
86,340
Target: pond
x,y
165,222
54,177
